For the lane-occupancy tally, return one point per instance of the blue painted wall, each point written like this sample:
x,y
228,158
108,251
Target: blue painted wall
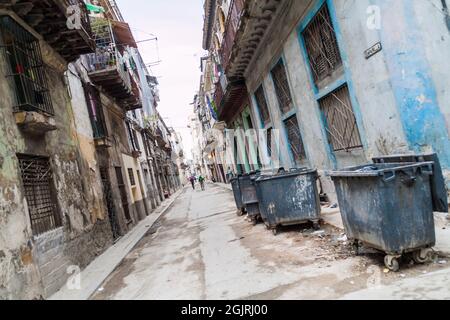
x,y
411,79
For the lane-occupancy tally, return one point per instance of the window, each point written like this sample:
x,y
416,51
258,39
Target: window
x,y
132,178
262,104
123,193
132,137
269,142
40,194
27,72
282,87
322,46
95,111
295,139
340,120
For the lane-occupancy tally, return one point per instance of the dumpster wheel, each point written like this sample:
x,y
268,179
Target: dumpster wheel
x,y
316,225
392,263
275,231
422,256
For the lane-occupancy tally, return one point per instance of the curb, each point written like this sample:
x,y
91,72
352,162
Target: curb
x,y
105,264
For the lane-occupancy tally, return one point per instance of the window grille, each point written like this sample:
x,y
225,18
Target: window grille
x,y
340,120
295,139
132,178
40,194
26,70
95,109
322,46
269,142
282,87
262,104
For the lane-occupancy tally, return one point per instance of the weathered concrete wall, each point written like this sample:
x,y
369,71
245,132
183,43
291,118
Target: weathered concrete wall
x,y
36,266
395,110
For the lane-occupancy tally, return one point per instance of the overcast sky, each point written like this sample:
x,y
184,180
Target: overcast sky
x,y
178,25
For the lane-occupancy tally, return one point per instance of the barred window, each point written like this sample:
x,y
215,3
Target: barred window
x,y
261,101
40,193
295,139
26,70
282,87
340,120
322,46
269,142
132,178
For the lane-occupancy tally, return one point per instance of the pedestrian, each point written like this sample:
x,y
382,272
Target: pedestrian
x,y
192,180
229,174
201,179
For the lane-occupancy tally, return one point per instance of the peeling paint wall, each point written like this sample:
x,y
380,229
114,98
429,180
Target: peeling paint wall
x,y
36,266
400,95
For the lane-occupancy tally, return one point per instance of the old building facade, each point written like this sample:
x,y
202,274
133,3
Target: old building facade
x,y
76,169
340,82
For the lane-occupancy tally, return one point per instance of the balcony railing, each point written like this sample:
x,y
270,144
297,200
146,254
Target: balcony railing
x,y
109,60
232,24
63,24
108,69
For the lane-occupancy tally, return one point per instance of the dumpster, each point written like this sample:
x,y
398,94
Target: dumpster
x,y
388,206
438,188
289,198
249,198
237,196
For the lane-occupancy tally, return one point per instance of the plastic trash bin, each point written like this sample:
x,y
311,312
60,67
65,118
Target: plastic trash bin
x,y
388,207
289,198
237,195
438,188
249,198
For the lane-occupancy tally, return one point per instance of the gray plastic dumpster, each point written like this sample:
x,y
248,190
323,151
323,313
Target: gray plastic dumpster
x,y
289,198
237,196
388,207
249,198
438,188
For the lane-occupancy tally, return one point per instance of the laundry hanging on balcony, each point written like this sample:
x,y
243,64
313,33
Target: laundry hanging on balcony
x,y
212,108
94,8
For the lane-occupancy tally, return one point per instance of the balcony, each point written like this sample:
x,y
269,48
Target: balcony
x,y
107,68
247,25
50,19
228,101
232,25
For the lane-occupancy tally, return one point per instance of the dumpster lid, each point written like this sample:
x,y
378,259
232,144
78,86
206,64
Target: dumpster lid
x,y
375,170
292,172
438,187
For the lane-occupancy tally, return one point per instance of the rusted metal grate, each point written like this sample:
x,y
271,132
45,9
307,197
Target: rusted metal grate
x,y
40,193
261,101
132,178
26,68
340,120
282,87
269,142
322,46
295,139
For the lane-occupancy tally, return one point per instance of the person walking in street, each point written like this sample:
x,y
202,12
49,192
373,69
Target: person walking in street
x,y
201,179
192,180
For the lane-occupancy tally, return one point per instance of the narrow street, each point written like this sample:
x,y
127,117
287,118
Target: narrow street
x,y
200,249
